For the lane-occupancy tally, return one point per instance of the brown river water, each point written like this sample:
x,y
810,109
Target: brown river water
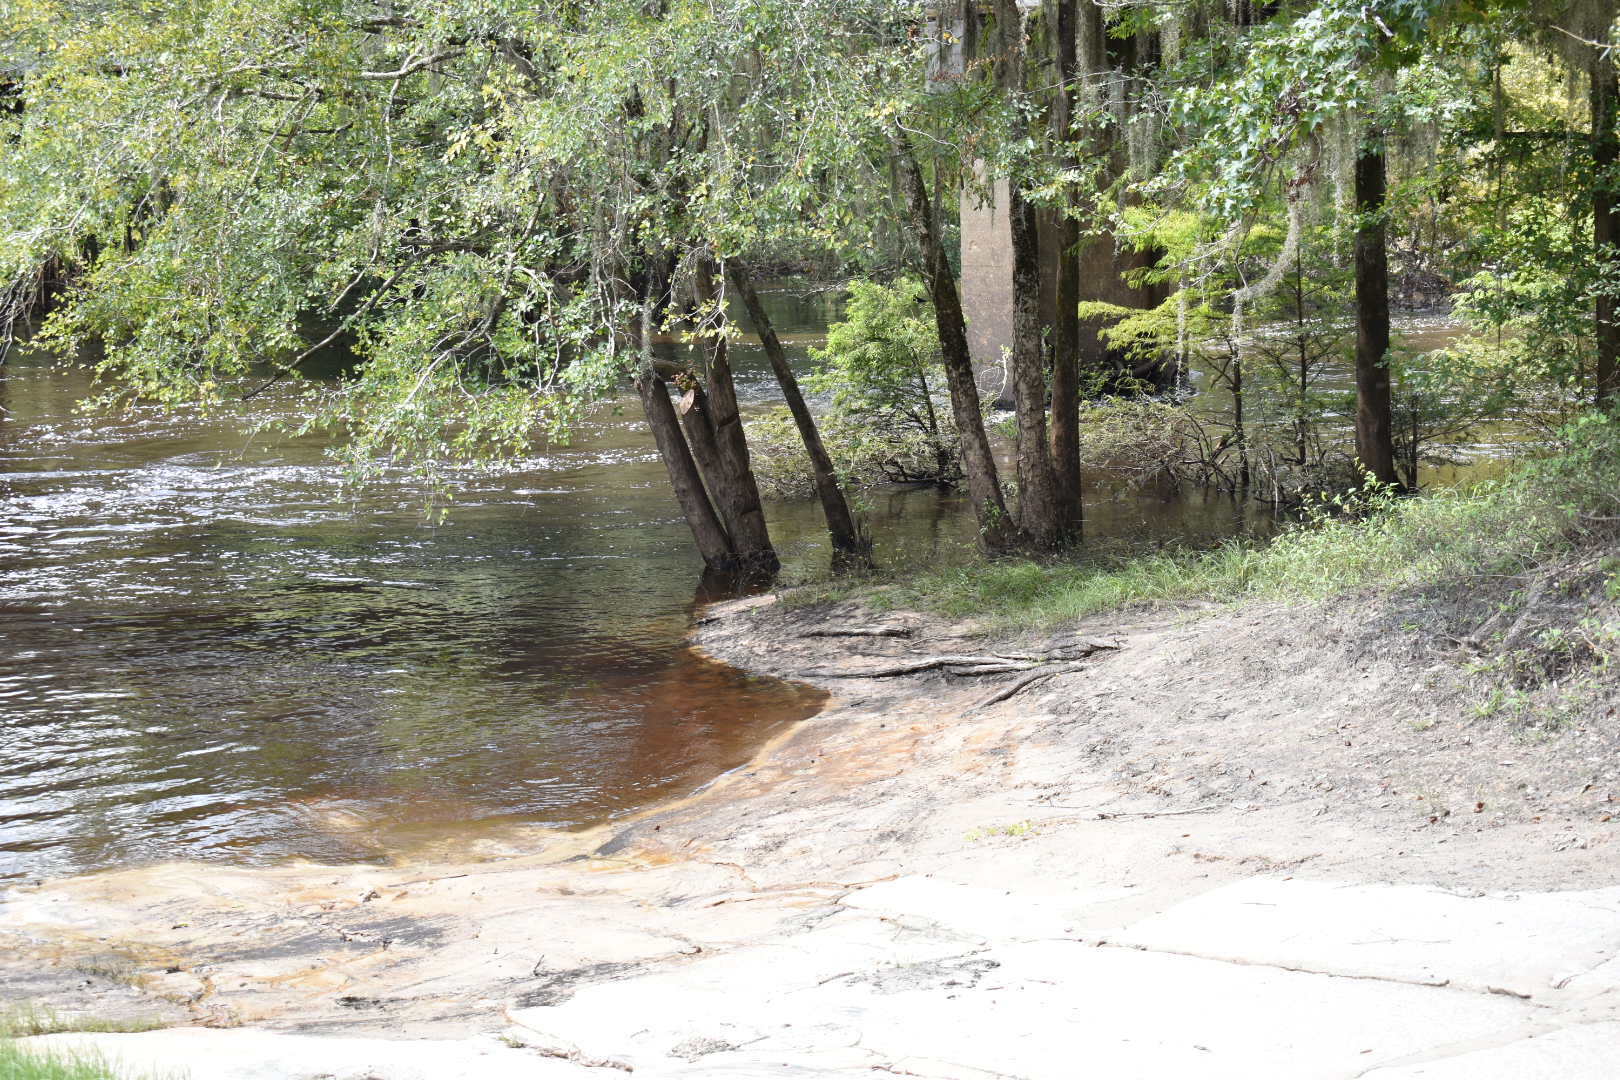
x,y
210,649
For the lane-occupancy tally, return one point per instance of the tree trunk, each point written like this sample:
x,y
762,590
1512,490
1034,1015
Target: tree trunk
x,y
1038,514
736,493
1375,450
697,422
997,534
1606,227
1239,429
712,542
1302,388
1066,332
846,538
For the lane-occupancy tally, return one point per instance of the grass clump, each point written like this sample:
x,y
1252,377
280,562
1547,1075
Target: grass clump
x,y
1371,540
20,1020
17,1063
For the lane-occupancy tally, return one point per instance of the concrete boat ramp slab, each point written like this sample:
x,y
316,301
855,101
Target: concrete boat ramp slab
x,y
1268,977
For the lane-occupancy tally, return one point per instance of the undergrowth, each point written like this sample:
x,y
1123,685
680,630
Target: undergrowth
x,y
1371,541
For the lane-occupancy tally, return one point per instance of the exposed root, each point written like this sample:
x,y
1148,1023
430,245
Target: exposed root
x,y
927,663
1008,668
1020,685
859,632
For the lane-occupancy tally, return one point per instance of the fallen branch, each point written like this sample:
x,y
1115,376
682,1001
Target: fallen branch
x,y
1510,638
1476,641
991,664
1144,815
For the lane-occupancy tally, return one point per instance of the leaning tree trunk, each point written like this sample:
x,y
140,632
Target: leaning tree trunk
x,y
1606,227
1066,332
696,420
696,412
841,527
1375,449
997,535
712,542
731,482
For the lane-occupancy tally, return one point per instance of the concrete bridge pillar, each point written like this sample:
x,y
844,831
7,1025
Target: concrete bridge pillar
x,y
987,285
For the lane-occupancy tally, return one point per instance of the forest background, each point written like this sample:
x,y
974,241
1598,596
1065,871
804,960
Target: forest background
x,y
495,210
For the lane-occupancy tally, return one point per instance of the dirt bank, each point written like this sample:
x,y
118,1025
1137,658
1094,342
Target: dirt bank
x,y
1164,757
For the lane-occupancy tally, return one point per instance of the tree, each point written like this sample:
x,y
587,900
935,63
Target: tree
x,y
1064,18
881,369
498,204
1039,516
1375,447
997,532
846,535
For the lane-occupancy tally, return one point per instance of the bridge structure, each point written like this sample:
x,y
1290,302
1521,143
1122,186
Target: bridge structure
x,y
956,29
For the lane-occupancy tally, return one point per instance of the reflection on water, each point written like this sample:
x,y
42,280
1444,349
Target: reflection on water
x,y
208,650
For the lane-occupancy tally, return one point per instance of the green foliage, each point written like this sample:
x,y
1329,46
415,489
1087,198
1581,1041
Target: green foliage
x,y
881,371
889,421
1137,440
864,457
465,192
882,357
1436,407
484,199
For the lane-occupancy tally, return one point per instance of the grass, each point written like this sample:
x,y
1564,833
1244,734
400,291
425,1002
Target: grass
x,y
1376,542
1017,828
20,1020
17,1063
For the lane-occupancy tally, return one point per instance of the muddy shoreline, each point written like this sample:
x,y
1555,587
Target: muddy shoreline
x,y
1202,749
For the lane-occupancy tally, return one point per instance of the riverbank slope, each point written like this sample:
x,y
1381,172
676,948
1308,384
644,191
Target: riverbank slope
x,y
1261,840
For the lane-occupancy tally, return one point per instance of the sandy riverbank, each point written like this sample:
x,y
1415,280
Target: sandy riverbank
x,y
916,882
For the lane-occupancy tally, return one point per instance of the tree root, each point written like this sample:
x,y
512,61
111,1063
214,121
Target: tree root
x,y
1477,640
1039,664
1018,686
927,663
1008,668
859,632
